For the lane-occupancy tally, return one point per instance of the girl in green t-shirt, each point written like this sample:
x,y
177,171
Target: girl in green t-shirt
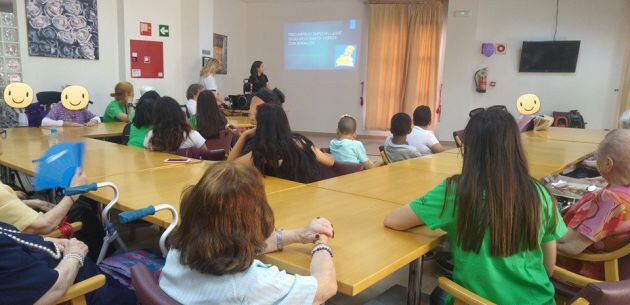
x,y
118,109
501,223
142,119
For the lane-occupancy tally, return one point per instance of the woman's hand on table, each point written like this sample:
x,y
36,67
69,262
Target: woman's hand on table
x,y
317,229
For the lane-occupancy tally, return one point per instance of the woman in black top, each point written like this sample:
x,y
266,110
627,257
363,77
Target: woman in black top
x,y
257,77
276,151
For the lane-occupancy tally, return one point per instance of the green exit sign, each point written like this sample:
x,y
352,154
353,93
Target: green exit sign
x,y
163,30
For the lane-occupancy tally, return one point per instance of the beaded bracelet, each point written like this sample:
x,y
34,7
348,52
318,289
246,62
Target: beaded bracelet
x,y
322,247
76,256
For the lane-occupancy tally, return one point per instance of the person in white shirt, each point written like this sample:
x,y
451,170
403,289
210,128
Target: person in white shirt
x,y
226,224
421,137
396,146
171,131
206,76
192,94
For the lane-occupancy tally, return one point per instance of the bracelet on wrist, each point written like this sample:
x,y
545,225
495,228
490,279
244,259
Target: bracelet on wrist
x,y
321,248
75,256
279,242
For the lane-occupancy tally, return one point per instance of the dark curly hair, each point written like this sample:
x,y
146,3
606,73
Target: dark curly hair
x,y
170,127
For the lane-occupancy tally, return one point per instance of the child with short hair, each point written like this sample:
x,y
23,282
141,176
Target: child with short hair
x,y
396,146
345,147
421,136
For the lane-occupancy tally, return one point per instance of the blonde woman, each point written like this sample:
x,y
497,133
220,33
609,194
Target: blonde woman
x,y
206,76
118,109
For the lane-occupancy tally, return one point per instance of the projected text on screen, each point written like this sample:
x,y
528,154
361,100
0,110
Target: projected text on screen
x,y
322,45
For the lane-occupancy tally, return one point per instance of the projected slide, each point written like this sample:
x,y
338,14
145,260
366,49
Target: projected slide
x,y
324,45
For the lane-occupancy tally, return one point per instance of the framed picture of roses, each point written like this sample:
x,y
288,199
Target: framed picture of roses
x,y
62,28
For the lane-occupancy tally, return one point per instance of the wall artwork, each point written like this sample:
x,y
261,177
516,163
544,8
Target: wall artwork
x,y
62,28
221,51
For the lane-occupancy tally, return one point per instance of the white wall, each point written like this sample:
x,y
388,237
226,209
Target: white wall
x,y
157,12
230,19
315,99
602,27
98,76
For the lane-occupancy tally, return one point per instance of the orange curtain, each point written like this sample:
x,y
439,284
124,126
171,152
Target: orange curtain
x,y
423,57
387,52
403,60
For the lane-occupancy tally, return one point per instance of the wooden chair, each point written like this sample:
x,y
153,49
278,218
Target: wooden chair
x,y
458,136
462,296
384,156
76,226
224,141
76,293
610,260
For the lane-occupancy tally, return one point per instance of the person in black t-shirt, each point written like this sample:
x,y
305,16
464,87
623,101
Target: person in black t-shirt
x,y
257,77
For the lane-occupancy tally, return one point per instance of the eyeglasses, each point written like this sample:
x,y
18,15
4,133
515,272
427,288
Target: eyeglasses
x,y
481,109
3,133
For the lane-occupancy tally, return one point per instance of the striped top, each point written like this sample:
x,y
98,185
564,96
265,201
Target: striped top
x,y
260,284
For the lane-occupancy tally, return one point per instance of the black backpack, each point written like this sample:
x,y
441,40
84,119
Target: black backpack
x,y
571,119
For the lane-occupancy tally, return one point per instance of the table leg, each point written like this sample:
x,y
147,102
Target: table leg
x,y
414,286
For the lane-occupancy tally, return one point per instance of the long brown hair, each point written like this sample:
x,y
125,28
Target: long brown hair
x,y
495,192
170,128
225,220
210,120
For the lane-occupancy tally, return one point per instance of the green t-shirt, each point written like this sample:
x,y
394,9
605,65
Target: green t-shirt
x,y
136,135
113,109
193,122
518,279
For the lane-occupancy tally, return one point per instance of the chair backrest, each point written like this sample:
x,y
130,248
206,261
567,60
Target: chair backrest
x,y
381,150
201,154
344,168
458,136
47,98
147,288
124,139
224,141
605,293
338,169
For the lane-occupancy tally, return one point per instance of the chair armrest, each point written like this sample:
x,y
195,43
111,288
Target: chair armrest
x,y
573,278
76,226
82,288
461,293
599,257
580,301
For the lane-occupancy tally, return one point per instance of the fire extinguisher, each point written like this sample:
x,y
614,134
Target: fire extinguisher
x,y
481,80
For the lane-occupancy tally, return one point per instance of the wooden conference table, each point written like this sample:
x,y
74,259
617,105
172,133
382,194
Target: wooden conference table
x,y
365,251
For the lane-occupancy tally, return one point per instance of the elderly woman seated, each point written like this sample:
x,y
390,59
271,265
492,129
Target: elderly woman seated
x,y
37,270
600,221
226,223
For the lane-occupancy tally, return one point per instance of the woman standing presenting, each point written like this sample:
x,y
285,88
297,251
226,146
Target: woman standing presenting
x,y
257,77
206,76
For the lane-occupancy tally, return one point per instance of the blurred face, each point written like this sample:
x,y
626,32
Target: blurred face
x,y
261,70
75,98
18,95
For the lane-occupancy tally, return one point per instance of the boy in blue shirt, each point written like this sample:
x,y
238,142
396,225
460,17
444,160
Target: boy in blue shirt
x,y
345,148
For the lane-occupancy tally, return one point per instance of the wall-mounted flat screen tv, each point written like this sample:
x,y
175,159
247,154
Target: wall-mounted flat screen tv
x,y
549,56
